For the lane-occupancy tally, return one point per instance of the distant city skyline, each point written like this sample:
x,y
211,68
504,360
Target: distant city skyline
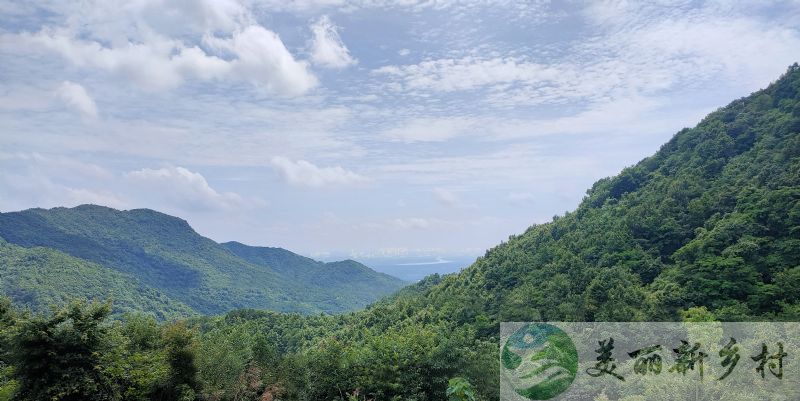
x,y
370,127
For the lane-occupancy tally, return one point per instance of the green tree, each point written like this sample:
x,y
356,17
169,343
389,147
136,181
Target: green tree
x,y
7,321
59,356
459,389
181,383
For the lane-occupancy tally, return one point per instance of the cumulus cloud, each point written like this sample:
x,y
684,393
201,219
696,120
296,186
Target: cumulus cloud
x,y
162,45
305,174
76,98
327,48
263,59
258,56
186,190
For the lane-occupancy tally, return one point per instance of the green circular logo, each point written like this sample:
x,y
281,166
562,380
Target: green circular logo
x,y
539,361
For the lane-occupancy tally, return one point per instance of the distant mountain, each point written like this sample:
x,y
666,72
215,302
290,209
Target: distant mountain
x,y
151,261
333,275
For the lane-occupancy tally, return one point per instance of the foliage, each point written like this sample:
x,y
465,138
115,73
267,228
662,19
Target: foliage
x,y
152,262
8,385
41,277
57,356
181,383
459,389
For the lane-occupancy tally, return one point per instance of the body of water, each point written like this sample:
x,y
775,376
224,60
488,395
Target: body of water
x,y
415,268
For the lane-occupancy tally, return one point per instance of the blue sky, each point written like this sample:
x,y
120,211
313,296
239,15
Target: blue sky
x,y
365,127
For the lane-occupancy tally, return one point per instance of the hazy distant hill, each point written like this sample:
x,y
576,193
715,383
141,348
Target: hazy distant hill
x,y
336,276
144,252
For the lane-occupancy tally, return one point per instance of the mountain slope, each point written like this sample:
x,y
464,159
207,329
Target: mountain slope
x,y
708,227
165,254
712,219
342,277
43,277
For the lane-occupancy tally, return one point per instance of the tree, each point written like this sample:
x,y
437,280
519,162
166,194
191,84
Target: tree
x,y
58,357
459,389
181,383
7,321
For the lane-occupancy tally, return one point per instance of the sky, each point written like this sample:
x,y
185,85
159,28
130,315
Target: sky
x,y
364,128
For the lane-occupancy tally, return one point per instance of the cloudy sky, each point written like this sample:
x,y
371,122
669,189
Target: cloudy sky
x,y
366,126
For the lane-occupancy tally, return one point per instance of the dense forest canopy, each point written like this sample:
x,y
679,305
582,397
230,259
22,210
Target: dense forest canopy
x,y
707,228
151,262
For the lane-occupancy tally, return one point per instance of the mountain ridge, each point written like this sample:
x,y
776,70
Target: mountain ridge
x,y
166,254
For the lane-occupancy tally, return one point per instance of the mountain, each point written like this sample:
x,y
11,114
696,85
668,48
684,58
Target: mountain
x,y
153,256
334,275
706,228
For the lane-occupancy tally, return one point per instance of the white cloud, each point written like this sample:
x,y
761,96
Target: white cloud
x,y
633,49
48,96
36,180
327,48
162,45
702,46
81,196
429,129
185,190
305,174
263,59
467,73
411,223
157,65
621,116
404,52
259,57
445,196
523,7
34,189
76,97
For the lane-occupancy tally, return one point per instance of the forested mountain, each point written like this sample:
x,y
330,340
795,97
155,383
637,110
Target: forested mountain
x,y
51,254
353,281
707,228
40,277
